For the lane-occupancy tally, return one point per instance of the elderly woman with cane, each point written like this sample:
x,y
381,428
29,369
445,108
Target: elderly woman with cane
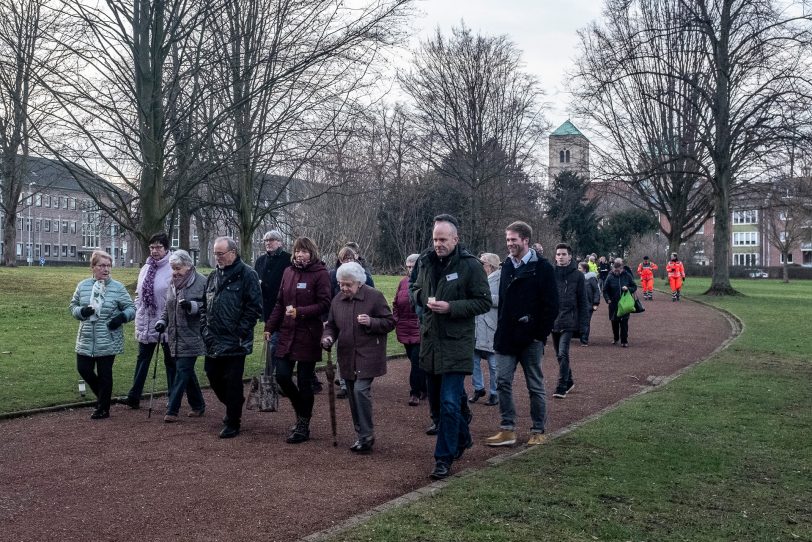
x,y
358,323
101,305
304,296
181,322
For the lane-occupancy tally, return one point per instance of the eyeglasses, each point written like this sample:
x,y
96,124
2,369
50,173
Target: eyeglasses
x,y
156,247
103,265
221,254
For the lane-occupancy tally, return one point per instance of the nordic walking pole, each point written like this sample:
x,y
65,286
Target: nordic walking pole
x,y
331,392
154,375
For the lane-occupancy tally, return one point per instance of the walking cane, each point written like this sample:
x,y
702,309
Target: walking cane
x,y
154,375
331,393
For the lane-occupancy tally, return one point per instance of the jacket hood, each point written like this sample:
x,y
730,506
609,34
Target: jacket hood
x,y
563,271
590,275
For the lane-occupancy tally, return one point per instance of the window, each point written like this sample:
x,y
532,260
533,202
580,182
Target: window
x,y
90,227
73,204
568,156
56,202
73,251
745,238
64,251
55,251
56,226
782,237
789,258
47,250
73,227
745,259
47,201
561,157
782,215
47,226
38,199
27,224
64,226
19,249
745,217
37,250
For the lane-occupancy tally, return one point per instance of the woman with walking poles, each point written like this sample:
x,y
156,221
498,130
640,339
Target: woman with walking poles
x,y
101,305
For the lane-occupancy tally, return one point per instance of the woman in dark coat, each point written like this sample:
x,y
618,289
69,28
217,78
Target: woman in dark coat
x,y
181,322
407,328
619,280
358,323
304,296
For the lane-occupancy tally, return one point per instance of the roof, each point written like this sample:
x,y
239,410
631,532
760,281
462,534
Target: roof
x,y
567,129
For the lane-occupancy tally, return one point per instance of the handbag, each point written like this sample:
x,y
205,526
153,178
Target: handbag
x,y
263,395
638,306
625,304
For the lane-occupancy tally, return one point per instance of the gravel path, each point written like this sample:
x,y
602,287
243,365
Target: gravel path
x,y
65,477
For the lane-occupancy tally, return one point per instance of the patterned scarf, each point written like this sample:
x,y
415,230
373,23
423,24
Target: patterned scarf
x,y
185,280
148,288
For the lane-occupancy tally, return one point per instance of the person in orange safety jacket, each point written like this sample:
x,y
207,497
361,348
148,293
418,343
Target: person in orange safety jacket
x,y
676,275
645,270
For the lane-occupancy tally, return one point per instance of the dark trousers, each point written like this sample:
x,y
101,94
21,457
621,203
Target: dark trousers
x,y
561,343
301,395
98,373
145,352
620,329
585,336
417,376
434,384
225,376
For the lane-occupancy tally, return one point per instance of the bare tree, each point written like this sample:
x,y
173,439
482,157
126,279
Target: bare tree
x,y
482,115
788,216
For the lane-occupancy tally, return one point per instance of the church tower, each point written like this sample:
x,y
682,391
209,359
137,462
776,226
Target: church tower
x,y
569,150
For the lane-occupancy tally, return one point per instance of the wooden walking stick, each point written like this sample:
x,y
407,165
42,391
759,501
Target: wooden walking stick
x,y
331,392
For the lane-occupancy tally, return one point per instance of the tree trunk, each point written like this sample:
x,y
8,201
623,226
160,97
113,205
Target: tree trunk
x,y
785,267
10,239
720,280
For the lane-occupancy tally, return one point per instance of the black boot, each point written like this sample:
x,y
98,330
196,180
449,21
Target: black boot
x,y
301,431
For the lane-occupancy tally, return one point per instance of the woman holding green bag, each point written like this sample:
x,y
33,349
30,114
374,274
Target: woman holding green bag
x,y
619,280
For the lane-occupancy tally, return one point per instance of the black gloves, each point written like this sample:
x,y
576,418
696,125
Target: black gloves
x,y
185,305
116,321
87,312
160,327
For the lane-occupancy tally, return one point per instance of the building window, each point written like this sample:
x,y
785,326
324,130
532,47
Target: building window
x,y
64,251
789,258
64,226
745,217
567,154
90,227
37,250
73,204
47,250
73,251
19,249
745,259
56,226
56,202
55,251
47,226
745,238
47,201
38,225
38,200
73,227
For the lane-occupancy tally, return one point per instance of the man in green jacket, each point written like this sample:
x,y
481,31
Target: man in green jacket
x,y
452,289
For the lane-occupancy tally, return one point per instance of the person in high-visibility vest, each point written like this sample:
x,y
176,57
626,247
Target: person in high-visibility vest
x,y
645,270
676,275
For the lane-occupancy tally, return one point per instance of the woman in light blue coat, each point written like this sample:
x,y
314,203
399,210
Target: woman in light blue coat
x,y
101,305
485,329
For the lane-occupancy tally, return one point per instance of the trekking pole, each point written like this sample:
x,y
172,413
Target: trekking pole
x,y
331,393
154,376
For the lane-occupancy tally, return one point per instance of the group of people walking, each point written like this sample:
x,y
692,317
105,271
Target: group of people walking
x,y
451,310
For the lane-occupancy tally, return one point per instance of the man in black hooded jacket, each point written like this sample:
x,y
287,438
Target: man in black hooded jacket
x,y
573,314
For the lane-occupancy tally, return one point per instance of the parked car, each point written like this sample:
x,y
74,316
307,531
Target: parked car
x,y
757,274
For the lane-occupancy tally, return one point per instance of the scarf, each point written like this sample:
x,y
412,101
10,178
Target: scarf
x,y
184,281
148,288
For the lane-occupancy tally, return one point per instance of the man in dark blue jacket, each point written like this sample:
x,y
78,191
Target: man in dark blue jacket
x,y
528,306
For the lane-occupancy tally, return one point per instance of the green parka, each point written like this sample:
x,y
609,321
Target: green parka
x,y
447,340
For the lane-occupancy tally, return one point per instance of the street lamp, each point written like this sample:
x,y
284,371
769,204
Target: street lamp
x,y
30,223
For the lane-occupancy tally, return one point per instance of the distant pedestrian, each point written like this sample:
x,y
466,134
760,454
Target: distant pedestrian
x,y
593,264
101,305
451,287
645,270
593,295
358,323
181,323
676,276
231,308
407,329
485,330
150,299
528,306
304,297
619,280
604,267
573,314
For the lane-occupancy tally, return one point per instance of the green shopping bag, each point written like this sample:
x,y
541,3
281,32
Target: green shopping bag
x,y
625,305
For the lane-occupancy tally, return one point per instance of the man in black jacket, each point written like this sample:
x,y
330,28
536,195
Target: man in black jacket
x,y
573,314
528,306
270,267
231,308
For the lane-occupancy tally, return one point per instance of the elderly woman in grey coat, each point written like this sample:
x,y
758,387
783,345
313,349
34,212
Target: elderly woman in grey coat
x,y
181,322
358,322
485,329
101,305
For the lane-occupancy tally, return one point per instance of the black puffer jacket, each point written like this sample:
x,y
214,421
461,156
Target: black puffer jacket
x,y
529,291
613,289
231,308
269,268
573,305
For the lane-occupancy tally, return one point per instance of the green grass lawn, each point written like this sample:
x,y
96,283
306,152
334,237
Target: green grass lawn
x,y
722,453
38,334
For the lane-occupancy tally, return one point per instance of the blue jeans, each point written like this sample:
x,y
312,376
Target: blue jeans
x,y
417,376
477,377
453,431
145,352
185,380
561,342
530,360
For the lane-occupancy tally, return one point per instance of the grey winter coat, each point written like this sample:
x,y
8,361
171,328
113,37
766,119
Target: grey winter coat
x,y
486,323
593,289
94,339
182,326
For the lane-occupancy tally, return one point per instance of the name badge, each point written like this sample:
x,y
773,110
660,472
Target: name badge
x,y
452,276
301,285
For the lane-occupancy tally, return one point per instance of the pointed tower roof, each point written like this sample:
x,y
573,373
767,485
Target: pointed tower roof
x,y
567,129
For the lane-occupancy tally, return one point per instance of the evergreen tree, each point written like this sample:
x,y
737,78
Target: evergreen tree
x,y
569,207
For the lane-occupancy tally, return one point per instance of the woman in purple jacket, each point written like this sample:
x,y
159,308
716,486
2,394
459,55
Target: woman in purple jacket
x,y
304,296
407,328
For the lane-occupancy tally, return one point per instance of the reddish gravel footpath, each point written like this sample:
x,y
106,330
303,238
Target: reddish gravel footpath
x,y
65,477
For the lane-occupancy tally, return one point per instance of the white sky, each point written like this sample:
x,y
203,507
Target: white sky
x,y
544,30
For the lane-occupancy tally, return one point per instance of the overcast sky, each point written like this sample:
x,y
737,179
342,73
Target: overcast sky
x,y
544,30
